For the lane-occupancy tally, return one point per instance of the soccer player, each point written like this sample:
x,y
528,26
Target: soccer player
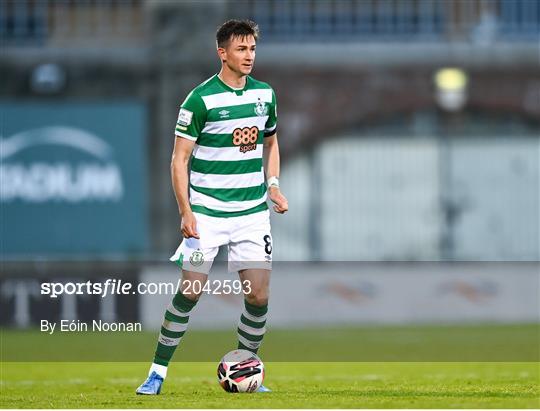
x,y
228,126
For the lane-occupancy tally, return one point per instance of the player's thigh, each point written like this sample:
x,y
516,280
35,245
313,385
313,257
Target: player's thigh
x,y
251,243
197,255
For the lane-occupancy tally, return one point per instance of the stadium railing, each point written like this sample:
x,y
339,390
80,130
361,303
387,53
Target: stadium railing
x,y
110,23
69,23
398,20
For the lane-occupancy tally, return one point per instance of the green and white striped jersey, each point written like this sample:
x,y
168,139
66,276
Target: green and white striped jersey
x,y
228,126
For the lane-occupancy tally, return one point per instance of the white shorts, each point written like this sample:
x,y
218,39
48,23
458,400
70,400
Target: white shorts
x,y
248,239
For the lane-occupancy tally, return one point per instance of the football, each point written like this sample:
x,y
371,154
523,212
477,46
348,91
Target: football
x,y
240,371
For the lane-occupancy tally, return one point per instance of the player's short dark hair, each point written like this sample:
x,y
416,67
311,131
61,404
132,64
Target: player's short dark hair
x,y
236,28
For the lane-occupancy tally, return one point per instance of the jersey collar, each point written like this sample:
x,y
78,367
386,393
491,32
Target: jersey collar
x,y
238,92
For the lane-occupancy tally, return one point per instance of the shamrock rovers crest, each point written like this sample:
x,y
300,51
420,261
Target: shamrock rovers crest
x,y
261,109
196,258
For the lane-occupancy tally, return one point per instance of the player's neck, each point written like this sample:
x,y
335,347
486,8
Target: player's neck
x,y
232,79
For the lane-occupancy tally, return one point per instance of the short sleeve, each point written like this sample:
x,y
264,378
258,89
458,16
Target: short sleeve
x,y
270,127
191,117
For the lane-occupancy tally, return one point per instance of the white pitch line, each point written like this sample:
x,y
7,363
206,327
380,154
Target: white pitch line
x,y
74,381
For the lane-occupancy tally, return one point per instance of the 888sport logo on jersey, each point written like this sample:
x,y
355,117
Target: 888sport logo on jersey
x,y
245,138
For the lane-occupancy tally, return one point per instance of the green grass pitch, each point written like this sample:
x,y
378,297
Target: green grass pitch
x,y
365,367
295,385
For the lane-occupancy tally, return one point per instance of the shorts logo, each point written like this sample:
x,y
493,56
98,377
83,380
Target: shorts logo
x,y
261,109
246,138
197,258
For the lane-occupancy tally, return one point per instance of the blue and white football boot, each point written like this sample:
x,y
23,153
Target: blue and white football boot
x,y
152,385
262,388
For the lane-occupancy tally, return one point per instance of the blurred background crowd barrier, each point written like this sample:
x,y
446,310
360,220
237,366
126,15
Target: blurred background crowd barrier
x,y
409,131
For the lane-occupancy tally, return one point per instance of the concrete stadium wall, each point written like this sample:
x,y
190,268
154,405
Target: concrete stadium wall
x,y
496,189
412,199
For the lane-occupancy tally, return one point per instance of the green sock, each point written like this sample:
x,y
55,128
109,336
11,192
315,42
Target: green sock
x,y
251,327
173,328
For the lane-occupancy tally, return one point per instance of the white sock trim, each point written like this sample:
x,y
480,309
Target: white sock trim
x,y
161,370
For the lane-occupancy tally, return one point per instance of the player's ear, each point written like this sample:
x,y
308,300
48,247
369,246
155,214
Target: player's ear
x,y
222,54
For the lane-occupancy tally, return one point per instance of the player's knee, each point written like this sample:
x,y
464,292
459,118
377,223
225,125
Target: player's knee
x,y
193,297
190,295
257,299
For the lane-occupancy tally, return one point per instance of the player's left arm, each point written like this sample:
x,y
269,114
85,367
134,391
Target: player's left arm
x,y
271,167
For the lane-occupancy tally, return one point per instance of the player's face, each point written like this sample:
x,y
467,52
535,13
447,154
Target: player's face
x,y
239,55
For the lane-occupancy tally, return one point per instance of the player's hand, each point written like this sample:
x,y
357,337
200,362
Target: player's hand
x,y
281,205
189,226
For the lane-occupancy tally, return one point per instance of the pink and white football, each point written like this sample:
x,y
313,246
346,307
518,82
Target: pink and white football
x,y
240,371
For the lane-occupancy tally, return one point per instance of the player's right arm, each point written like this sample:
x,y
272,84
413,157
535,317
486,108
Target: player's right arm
x,y
191,120
179,173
